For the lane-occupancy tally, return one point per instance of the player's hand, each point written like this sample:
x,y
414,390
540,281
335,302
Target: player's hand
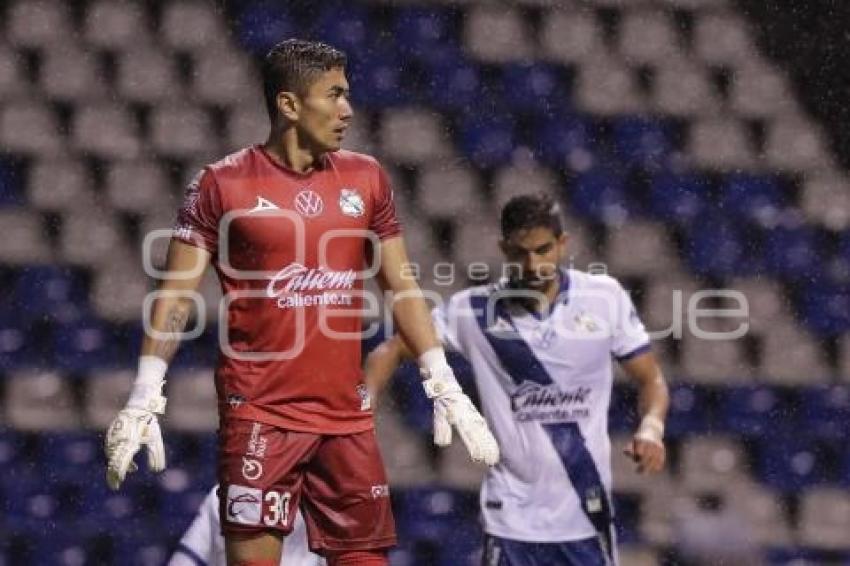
x,y
453,408
129,431
647,446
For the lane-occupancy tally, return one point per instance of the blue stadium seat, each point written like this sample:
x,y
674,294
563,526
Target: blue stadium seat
x,y
453,85
690,411
142,543
417,410
600,195
715,247
11,182
758,198
622,413
642,141
260,25
793,254
51,290
347,27
432,513
72,455
85,344
463,547
378,82
678,198
426,34
536,88
844,468
791,463
753,410
825,309
20,346
487,141
825,411
562,137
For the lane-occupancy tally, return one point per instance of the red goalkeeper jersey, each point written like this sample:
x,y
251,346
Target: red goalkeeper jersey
x,y
289,250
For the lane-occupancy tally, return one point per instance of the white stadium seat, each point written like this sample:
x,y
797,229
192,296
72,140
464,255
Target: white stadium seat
x,y
825,199
182,131
13,83
792,356
607,87
413,135
225,77
647,37
107,130
795,144
69,74
29,127
115,25
447,190
147,75
496,34
90,237
711,463
824,518
682,88
106,393
722,39
192,403
120,288
720,143
24,240
40,401
570,36
759,91
767,303
521,178
193,25
57,184
247,125
38,23
639,248
138,186
407,461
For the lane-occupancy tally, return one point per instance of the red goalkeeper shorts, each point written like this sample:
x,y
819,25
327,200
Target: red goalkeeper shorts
x,y
266,473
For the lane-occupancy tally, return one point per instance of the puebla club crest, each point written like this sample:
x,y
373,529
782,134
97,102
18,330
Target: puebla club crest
x,y
351,203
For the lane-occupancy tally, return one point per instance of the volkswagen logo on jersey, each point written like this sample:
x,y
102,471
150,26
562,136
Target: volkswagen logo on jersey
x,y
308,203
351,203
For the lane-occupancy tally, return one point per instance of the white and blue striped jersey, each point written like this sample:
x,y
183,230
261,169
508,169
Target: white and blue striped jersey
x,y
545,386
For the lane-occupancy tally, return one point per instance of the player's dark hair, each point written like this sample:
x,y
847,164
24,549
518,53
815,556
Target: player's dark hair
x,y
526,212
292,65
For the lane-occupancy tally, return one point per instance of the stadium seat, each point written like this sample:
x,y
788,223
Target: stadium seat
x,y
192,403
496,34
71,456
84,344
225,77
457,471
522,177
720,143
54,291
795,144
722,39
682,88
432,513
476,242
826,309
38,24
600,196
191,25
565,141
690,412
147,75
247,125
759,91
714,361
347,28
711,463
107,130
642,141
639,249
791,253
182,132
647,37
790,356
487,142
764,512
23,239
606,87
791,464
757,198
453,85
570,36
752,410
90,237
446,190
824,516
114,26
825,410
106,392
28,126
119,290
406,460
715,246
679,199
39,401
13,82
825,200
19,345
11,190
665,303
60,183
766,302
69,74
535,88
428,32
260,25
638,555
138,186
413,135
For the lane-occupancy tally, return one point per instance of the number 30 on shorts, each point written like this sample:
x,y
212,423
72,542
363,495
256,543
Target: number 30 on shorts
x,y
276,508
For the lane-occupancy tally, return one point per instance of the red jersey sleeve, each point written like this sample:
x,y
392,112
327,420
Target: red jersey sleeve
x,y
384,222
199,215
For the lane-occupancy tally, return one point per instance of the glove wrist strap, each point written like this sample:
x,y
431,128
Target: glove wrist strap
x,y
147,387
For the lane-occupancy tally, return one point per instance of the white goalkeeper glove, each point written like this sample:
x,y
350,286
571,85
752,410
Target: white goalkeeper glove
x,y
453,408
136,424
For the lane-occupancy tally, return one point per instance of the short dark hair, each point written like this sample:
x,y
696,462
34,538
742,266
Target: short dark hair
x,y
525,212
292,65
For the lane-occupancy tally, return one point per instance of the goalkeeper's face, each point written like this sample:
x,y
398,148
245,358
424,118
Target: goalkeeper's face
x,y
533,255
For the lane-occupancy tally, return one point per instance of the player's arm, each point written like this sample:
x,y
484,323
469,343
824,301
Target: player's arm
x,y
382,362
136,425
647,445
413,319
